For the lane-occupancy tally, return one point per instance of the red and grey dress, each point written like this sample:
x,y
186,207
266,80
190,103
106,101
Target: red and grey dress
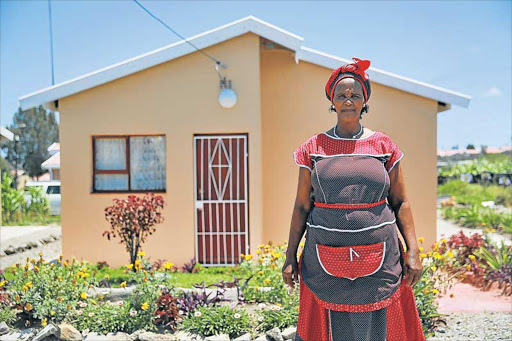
x,y
351,266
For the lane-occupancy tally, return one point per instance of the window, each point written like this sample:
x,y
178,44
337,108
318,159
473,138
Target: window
x,y
129,163
53,190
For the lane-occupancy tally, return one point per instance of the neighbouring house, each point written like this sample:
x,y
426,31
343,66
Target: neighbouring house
x,y
5,135
52,164
153,123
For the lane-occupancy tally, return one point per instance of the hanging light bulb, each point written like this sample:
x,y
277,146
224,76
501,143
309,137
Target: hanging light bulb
x,y
227,96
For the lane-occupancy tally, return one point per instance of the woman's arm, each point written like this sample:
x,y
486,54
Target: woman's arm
x,y
298,226
398,200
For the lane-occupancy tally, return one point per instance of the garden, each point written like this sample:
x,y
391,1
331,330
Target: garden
x,y
148,299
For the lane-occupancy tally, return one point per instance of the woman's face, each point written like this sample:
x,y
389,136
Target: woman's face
x,y
348,98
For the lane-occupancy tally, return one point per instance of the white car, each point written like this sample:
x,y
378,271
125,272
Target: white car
x,y
51,189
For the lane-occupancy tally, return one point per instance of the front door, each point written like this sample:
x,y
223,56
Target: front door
x,y
221,193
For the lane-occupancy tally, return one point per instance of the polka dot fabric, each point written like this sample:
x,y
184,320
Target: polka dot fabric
x,y
394,319
378,143
351,285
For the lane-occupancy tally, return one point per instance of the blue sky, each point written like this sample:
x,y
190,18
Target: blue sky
x,y
463,46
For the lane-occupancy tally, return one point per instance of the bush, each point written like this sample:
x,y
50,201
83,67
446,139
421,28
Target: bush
x,y
211,320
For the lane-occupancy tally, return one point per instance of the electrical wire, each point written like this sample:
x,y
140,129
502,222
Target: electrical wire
x,y
217,62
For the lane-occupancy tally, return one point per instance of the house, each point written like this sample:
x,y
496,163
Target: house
x,y
52,164
154,123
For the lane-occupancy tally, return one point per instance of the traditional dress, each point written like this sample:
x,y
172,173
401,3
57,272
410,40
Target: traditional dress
x,y
350,269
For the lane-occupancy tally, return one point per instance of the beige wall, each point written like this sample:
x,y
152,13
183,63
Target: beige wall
x,y
177,98
294,107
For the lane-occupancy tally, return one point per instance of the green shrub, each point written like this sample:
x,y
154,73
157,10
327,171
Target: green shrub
x,y
211,320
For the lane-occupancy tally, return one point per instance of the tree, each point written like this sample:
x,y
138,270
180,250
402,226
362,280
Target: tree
x,y
133,219
40,131
470,146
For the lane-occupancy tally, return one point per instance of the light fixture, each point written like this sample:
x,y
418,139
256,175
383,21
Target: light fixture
x,y
227,96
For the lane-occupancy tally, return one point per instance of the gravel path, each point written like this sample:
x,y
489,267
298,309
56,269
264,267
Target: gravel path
x,y
475,326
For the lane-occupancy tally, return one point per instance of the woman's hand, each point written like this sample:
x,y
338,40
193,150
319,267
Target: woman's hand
x,y
291,271
412,267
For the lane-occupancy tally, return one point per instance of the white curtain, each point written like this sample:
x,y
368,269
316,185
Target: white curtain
x,y
111,155
147,162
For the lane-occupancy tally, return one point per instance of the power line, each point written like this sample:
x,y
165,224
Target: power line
x,y
217,62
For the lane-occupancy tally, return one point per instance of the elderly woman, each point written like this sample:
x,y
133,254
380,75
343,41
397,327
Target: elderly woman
x,y
355,277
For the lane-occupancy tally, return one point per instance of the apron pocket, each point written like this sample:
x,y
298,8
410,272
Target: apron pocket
x,y
351,261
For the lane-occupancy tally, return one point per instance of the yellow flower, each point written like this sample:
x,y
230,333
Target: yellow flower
x,y
433,268
168,265
444,240
52,312
137,262
435,291
429,253
421,239
472,257
83,295
450,254
267,280
468,267
261,260
28,306
247,257
258,251
279,304
145,306
261,245
29,284
260,272
493,230
436,245
44,322
421,249
2,283
142,254
423,255
129,266
107,276
487,229
242,255
66,263
145,279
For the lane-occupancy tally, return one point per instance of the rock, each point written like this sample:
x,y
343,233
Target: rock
x,y
186,336
441,330
274,334
27,334
95,337
261,337
10,337
10,250
289,333
68,332
218,337
135,334
4,328
50,329
244,337
119,336
149,336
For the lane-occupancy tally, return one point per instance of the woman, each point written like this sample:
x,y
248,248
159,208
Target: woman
x,y
355,277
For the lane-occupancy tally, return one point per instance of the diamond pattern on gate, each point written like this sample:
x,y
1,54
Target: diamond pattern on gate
x,y
218,183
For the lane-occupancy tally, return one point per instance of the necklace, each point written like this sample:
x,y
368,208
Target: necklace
x,y
354,136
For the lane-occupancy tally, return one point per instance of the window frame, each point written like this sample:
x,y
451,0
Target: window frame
x,y
121,171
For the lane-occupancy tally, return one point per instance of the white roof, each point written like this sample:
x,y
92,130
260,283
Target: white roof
x,y
218,35
6,133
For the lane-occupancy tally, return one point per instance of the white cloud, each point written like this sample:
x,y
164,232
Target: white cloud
x,y
492,92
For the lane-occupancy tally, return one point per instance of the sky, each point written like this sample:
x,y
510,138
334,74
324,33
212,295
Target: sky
x,y
464,46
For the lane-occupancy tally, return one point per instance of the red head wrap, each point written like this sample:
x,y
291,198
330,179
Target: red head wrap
x,y
354,70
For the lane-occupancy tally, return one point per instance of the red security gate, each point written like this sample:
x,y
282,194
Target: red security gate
x,y
221,193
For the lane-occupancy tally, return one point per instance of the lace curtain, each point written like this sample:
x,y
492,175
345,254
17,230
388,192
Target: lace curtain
x,y
147,163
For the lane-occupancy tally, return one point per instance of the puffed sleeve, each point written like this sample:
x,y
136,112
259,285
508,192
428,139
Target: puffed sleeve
x,y
396,155
302,157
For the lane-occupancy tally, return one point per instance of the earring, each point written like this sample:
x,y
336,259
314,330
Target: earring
x,y
332,108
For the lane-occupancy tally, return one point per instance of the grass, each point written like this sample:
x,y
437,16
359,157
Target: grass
x,y
466,193
35,220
